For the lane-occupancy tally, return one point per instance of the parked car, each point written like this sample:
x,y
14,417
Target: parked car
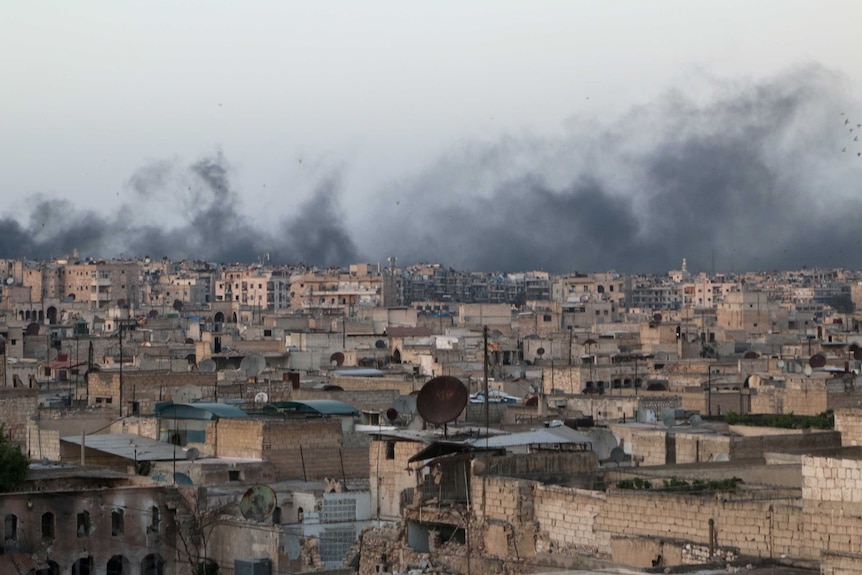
x,y
494,396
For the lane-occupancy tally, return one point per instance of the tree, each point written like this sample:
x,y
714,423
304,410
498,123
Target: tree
x,y
195,522
13,463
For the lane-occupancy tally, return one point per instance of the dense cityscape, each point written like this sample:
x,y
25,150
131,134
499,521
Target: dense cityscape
x,y
168,416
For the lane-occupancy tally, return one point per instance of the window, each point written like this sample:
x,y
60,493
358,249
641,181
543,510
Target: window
x,y
117,526
155,519
390,450
233,475
10,530
47,526
84,524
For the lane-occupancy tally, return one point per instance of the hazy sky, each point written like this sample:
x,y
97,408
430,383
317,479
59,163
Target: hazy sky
x,y
429,129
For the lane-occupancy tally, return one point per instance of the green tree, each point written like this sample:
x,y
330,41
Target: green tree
x,y
13,463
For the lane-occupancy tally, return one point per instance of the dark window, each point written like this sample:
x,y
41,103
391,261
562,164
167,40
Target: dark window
x,y
390,450
233,475
84,524
47,526
10,531
155,519
117,522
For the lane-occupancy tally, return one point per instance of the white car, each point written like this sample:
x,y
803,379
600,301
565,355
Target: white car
x,y
494,396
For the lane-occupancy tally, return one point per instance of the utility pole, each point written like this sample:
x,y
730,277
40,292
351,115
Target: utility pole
x,y
485,386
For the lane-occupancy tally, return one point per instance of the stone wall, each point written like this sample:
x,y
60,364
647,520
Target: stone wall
x,y
832,563
143,388
296,448
17,408
394,485
848,421
567,521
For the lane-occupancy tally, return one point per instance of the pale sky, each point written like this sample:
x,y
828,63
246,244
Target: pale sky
x,y
378,92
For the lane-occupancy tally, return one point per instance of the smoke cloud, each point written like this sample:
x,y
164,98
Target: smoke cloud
x,y
735,175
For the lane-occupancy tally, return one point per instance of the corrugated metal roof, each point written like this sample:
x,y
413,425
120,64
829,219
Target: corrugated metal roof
x,y
129,446
315,407
199,411
544,436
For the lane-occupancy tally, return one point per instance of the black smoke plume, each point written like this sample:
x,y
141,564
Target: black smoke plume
x,y
735,175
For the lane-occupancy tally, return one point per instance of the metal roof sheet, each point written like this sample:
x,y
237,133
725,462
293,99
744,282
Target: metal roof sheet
x,y
315,406
199,411
129,446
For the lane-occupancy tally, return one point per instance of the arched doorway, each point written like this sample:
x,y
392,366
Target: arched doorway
x,y
219,317
52,315
153,564
118,565
83,566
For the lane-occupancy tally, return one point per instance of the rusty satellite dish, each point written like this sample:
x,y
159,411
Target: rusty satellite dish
x,y
540,352
258,503
442,399
336,358
750,355
391,414
817,360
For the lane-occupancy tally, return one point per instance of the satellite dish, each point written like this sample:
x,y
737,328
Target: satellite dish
x,y
540,352
258,503
618,455
817,360
720,457
442,399
32,329
750,355
192,453
657,318
808,370
165,336
380,344
10,281
261,397
337,359
52,353
391,414
854,347
252,365
780,364
207,366
695,420
183,479
40,350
